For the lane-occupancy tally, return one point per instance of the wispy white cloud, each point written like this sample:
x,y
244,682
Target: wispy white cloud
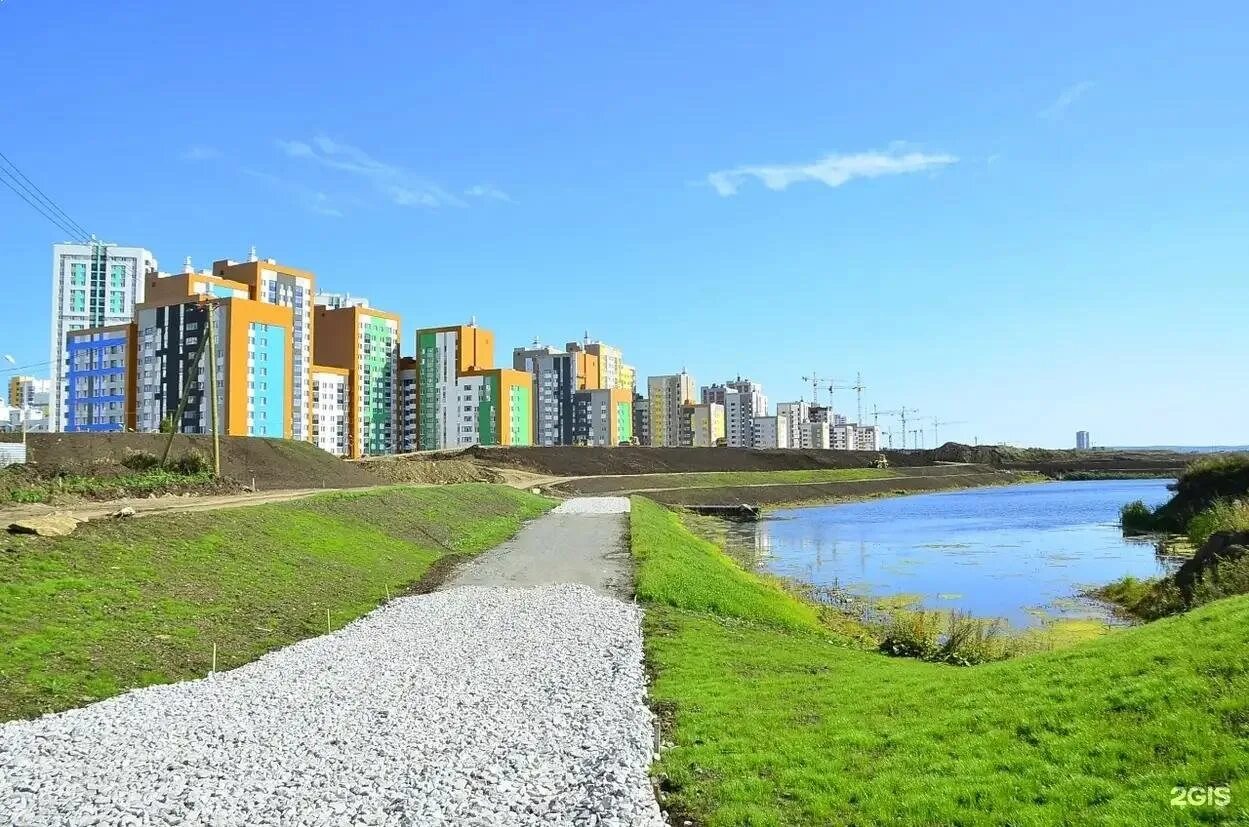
x,y
1070,95
487,193
200,152
831,170
312,200
396,184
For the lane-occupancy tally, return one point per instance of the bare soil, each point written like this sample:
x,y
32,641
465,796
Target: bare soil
x,y
408,469
271,463
773,495
586,462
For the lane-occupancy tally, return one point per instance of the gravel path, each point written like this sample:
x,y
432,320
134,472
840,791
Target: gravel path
x,y
593,505
582,540
474,706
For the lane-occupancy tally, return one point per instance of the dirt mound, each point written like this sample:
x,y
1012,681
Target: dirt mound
x,y
578,461
1063,462
765,495
410,470
272,463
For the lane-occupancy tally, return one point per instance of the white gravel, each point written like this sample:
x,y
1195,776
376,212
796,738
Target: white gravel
x,y
474,706
593,505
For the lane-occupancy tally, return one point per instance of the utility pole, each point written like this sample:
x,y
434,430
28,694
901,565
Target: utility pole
x,y
212,386
192,370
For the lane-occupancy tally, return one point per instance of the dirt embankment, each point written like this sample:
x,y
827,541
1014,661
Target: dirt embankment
x,y
410,470
585,462
1068,463
825,492
906,481
272,463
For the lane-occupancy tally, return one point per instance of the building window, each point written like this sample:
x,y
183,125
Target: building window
x,y
78,272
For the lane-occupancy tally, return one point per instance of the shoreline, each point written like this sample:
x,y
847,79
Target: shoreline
x,y
1105,615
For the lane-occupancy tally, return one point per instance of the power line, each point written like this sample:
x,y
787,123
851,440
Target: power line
x,y
41,196
21,368
69,231
46,206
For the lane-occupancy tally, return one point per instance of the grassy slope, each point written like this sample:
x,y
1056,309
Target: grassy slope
x,y
126,604
777,723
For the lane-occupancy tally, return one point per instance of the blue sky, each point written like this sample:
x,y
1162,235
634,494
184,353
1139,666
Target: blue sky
x,y
1028,219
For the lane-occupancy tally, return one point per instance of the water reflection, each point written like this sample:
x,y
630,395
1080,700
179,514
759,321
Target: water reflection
x,y
1022,553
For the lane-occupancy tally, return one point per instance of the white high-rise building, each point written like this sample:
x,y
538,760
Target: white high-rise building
x,y
769,432
337,301
1083,441
866,438
331,409
813,435
743,400
94,284
798,414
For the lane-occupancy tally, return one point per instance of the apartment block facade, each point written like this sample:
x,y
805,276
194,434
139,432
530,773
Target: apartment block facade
x,y
365,342
702,425
850,436
331,408
797,414
443,356
814,435
557,376
770,432
94,285
641,420
407,405
277,284
606,368
29,392
602,417
743,400
667,395
252,351
496,407
100,377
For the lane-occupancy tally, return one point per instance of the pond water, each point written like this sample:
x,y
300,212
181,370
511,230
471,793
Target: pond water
x,y
1020,552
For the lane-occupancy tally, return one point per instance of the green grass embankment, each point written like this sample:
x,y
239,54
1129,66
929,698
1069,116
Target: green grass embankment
x,y
130,603
777,721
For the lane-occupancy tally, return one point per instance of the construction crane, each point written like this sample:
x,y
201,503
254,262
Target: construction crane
x,y
877,413
815,380
858,387
835,385
905,413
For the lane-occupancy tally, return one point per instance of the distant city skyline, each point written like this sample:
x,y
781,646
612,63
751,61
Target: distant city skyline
x,y
1023,228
